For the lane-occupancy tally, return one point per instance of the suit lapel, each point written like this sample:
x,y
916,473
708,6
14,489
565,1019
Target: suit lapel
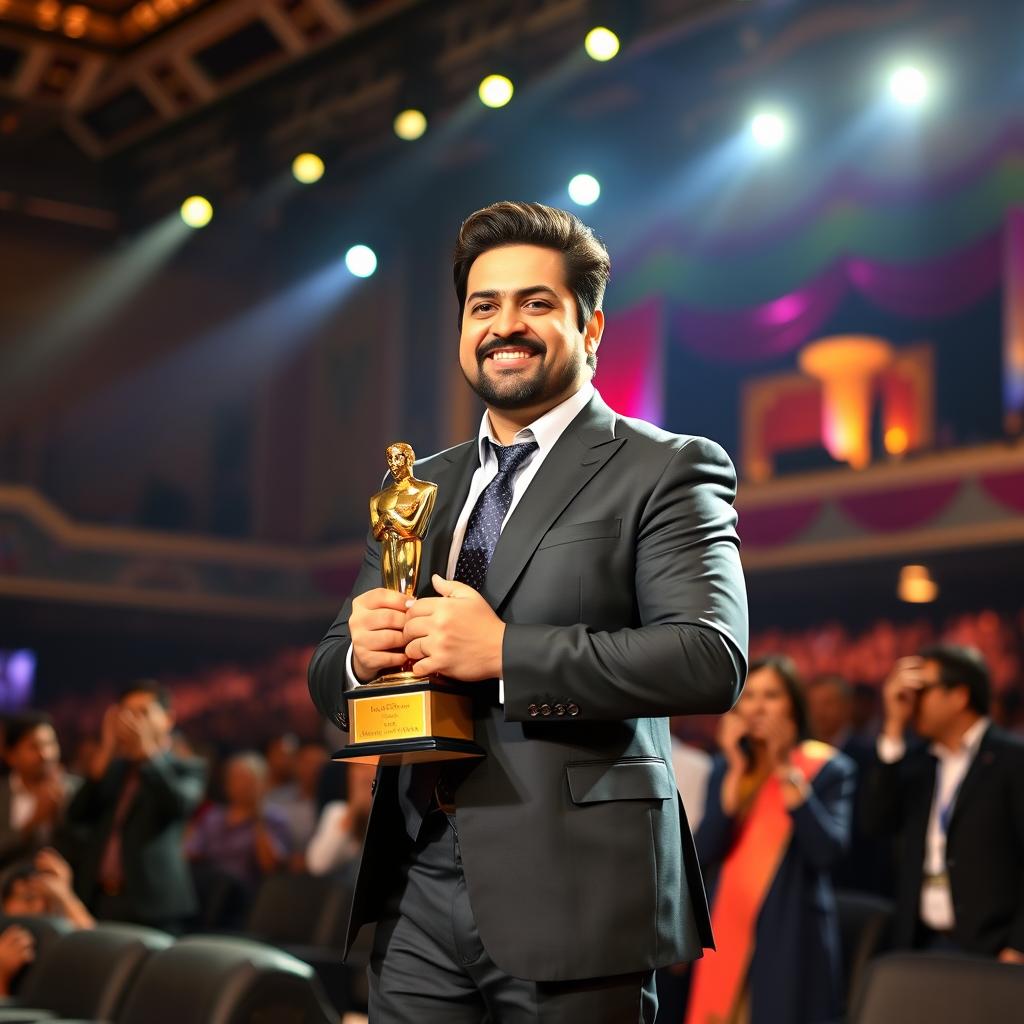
x,y
582,450
980,766
452,471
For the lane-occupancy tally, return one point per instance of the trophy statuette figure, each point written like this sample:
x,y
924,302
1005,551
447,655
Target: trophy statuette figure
x,y
400,717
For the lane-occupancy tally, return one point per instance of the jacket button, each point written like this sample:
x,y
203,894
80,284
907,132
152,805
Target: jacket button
x,y
559,709
373,787
573,709
545,709
532,711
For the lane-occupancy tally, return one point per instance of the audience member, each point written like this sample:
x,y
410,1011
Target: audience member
x,y
35,791
242,837
956,806
132,811
867,866
777,819
301,809
43,887
338,839
280,758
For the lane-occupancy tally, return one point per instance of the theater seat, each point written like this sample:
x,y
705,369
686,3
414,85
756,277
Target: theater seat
x,y
925,988
85,974
306,910
225,981
863,933
46,931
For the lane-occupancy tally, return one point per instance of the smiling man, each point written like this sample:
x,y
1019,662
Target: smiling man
x,y
582,571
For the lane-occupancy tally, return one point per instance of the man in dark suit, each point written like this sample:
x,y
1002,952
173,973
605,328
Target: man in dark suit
x,y
589,585
956,808
131,813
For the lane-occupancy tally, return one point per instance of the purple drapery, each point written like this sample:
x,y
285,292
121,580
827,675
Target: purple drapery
x,y
930,290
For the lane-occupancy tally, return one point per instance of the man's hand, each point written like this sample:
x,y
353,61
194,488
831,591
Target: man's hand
x,y
1011,956
376,624
732,728
899,695
137,735
456,635
17,948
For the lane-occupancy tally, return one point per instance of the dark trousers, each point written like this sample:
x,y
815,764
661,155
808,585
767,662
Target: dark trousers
x,y
429,966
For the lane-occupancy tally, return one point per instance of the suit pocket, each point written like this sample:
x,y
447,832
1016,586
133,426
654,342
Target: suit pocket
x,y
633,778
572,532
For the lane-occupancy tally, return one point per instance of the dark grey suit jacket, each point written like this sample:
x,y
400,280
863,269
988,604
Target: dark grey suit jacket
x,y
618,576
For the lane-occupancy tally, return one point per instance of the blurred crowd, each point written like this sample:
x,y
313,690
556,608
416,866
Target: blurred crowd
x,y
141,825
822,787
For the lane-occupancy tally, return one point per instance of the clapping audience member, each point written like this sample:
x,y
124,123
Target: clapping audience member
x,y
35,792
131,812
338,839
956,807
776,820
243,837
43,887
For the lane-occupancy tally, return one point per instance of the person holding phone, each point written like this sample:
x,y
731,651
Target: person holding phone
x,y
956,807
776,820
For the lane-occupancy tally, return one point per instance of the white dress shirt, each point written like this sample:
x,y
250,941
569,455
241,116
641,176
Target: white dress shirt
x,y
545,430
936,906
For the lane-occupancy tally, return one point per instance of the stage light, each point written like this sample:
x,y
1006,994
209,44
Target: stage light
x,y
410,124
197,211
496,91
601,44
307,168
361,261
909,86
584,190
770,129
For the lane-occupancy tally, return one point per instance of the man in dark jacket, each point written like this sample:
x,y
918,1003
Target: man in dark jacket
x,y
956,806
132,810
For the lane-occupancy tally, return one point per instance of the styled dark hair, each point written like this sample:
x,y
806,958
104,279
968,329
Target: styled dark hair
x,y
17,727
784,667
587,264
836,681
150,686
962,666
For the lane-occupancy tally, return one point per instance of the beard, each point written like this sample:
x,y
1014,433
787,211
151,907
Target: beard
x,y
520,389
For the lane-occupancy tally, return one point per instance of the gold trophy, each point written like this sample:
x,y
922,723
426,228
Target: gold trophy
x,y
400,717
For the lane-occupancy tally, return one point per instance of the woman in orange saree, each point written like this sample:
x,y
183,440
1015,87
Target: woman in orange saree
x,y
777,818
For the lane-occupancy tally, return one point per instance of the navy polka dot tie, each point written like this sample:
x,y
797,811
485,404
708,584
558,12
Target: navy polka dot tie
x,y
484,526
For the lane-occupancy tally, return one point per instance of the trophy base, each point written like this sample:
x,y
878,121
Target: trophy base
x,y
405,719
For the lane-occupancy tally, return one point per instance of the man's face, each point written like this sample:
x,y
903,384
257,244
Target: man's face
x,y
830,710
520,346
936,707
35,754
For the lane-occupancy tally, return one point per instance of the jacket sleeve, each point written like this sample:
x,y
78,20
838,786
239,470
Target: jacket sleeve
x,y
175,786
716,833
822,823
688,653
326,674
882,798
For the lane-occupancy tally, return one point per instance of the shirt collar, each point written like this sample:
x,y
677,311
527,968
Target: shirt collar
x,y
545,430
969,742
